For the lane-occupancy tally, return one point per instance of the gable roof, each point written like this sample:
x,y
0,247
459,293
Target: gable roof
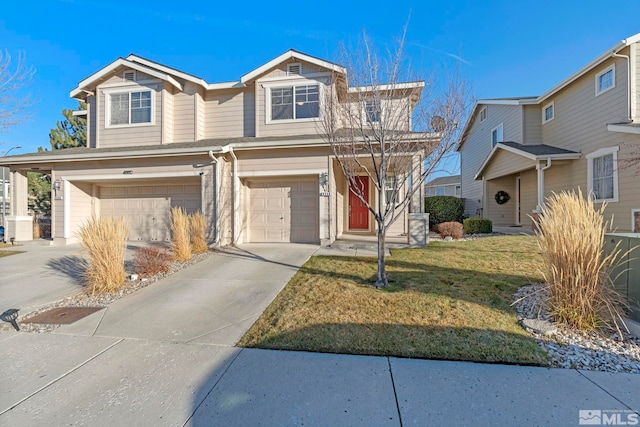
x,y
292,54
444,180
535,152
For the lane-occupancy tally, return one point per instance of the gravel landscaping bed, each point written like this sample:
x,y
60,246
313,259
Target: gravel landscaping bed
x,y
570,348
81,299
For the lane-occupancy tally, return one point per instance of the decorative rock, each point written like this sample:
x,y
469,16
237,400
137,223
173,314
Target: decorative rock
x,y
539,326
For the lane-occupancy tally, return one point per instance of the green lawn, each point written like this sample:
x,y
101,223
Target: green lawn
x,y
450,300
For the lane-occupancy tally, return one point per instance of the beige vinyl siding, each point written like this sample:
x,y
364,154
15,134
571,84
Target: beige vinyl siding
x,y
505,162
340,207
92,121
126,136
477,147
528,196
184,114
505,214
200,114
225,113
449,190
532,124
117,77
167,114
280,70
293,159
81,207
635,70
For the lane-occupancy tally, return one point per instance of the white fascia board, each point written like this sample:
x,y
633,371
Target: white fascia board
x,y
288,55
79,113
406,85
225,85
623,128
167,70
117,63
499,102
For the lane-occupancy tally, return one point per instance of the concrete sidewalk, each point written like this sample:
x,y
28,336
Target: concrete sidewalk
x,y
165,356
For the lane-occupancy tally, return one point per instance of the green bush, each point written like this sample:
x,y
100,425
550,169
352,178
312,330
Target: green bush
x,y
443,209
477,226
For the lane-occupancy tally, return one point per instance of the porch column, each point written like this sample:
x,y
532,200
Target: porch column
x,y
19,191
417,199
540,168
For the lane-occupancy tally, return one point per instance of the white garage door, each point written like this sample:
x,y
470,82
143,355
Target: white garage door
x,y
284,210
147,207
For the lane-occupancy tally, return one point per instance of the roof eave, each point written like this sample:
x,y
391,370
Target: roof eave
x,y
288,55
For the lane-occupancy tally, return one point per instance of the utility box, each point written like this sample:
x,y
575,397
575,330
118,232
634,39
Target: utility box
x,y
20,228
418,229
626,275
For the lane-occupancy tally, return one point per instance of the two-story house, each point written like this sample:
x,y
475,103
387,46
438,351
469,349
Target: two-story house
x,y
248,153
443,186
576,135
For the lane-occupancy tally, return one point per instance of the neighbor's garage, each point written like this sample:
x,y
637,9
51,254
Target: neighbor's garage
x,y
147,207
284,210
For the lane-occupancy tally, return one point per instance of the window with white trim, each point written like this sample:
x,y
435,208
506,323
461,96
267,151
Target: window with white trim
x,y
483,114
372,111
497,134
458,190
606,80
548,112
389,189
602,174
439,191
295,102
129,108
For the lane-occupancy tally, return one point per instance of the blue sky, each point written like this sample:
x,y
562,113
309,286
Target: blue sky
x,y
507,48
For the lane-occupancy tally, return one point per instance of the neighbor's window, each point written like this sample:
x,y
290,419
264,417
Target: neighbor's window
x,y
548,112
483,114
497,134
605,80
305,104
439,191
372,110
458,190
130,108
603,174
390,186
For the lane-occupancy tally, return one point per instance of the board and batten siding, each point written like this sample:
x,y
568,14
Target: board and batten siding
x,y
477,147
126,136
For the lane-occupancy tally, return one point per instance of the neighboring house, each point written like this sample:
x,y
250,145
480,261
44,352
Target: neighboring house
x,y
443,186
576,135
247,153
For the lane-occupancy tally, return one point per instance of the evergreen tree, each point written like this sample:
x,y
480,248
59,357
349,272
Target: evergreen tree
x,y
71,132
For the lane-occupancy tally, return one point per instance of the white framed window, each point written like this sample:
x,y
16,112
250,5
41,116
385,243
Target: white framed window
x,y
372,111
483,114
300,102
439,191
389,188
606,80
548,112
497,134
458,190
602,174
127,108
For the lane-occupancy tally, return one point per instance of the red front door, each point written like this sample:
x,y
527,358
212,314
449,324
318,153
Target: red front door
x,y
358,212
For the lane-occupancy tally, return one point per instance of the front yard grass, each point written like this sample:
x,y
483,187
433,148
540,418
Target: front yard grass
x,y
451,300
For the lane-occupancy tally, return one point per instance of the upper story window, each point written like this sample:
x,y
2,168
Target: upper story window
x,y
548,113
372,111
602,174
497,134
295,102
129,108
483,114
606,80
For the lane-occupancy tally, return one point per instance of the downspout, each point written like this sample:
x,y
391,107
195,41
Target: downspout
x,y
236,197
617,55
216,215
540,169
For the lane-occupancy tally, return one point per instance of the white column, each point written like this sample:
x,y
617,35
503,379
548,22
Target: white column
x,y
540,168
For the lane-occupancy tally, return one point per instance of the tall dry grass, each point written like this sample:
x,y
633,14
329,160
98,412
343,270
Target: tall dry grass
x,y
105,241
571,239
180,234
198,226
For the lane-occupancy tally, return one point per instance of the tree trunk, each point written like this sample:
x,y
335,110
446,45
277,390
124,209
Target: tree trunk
x,y
381,280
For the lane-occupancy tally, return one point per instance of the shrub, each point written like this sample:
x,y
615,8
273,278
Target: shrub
x,y
105,241
576,270
198,226
180,236
151,260
450,229
477,226
443,209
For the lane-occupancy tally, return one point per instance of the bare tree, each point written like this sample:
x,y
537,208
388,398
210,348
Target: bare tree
x,y
389,127
15,75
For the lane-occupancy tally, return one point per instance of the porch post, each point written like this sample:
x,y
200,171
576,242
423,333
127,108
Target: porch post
x,y
417,200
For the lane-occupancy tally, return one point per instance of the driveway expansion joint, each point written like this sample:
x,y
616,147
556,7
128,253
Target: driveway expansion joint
x,y
607,392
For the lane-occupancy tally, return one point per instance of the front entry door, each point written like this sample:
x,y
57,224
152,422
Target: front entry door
x,y
358,212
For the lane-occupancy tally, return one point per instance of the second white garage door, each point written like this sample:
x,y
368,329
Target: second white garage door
x,y
284,210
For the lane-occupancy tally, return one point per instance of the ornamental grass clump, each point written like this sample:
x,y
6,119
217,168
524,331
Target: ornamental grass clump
x,y
198,226
571,238
151,260
180,235
105,241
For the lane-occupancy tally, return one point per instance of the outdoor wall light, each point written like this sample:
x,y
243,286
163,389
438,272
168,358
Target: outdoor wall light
x,y
324,178
56,185
10,316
